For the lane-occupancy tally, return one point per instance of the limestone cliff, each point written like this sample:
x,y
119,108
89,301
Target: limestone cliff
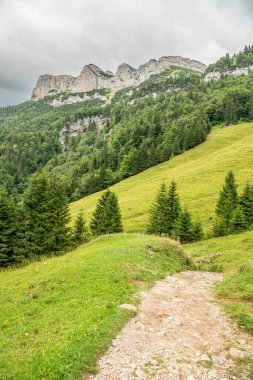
x,y
93,78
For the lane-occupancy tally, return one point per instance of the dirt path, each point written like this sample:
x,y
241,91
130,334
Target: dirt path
x,y
179,334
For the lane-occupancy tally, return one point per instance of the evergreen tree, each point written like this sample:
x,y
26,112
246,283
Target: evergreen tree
x,y
230,109
220,227
46,215
197,231
228,199
8,232
183,230
60,216
238,222
158,218
246,202
80,229
173,208
107,217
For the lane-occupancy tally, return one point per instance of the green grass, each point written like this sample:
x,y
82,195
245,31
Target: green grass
x,y
58,315
232,255
199,173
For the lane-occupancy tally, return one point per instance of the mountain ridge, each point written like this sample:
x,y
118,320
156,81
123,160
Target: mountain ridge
x,y
93,77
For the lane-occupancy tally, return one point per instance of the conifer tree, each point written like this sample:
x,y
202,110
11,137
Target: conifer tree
x,y
158,218
46,215
107,217
228,200
183,230
60,216
197,231
246,202
173,208
238,222
8,231
80,229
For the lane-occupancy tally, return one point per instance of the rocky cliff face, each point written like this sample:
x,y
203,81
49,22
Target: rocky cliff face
x,y
93,78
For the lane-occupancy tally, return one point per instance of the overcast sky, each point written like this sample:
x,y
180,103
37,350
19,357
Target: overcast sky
x,y
61,36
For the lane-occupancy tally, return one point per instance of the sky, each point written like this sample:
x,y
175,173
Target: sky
x,y
61,36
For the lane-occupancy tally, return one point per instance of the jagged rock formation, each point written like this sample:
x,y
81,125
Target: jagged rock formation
x,y
77,99
92,77
79,126
238,71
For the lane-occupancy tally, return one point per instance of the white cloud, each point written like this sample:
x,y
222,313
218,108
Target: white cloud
x,y
45,36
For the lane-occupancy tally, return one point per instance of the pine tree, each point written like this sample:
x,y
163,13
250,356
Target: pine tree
x,y
230,109
176,146
107,217
173,208
183,230
197,231
46,215
238,222
228,199
8,232
246,202
60,216
158,218
80,229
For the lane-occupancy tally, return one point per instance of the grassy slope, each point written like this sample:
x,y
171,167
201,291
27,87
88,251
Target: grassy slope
x,y
58,315
199,173
232,255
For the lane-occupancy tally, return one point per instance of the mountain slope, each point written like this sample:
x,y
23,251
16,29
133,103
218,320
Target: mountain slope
x,y
199,173
232,255
58,315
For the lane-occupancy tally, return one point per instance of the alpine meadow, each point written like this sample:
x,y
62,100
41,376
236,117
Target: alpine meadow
x,y
126,210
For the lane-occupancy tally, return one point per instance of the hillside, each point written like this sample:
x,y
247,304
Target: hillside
x,y
59,314
199,173
232,255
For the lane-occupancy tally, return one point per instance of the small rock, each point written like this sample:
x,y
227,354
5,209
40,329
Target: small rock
x,y
191,377
237,353
204,358
128,307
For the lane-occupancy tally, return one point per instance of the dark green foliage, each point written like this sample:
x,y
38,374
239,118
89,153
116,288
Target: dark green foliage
x,y
173,208
227,63
46,215
107,217
158,216
238,223
234,213
8,232
80,230
246,202
184,227
228,200
197,231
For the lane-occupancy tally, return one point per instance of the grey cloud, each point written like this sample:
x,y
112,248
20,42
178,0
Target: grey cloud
x,y
60,36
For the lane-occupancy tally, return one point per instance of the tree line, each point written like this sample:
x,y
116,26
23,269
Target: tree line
x,y
234,213
39,225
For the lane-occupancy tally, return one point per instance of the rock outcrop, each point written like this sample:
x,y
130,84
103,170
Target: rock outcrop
x,y
214,75
93,78
79,126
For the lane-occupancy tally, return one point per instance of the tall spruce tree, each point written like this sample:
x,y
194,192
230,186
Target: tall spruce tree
x,y
80,229
158,215
184,227
8,232
46,215
60,215
228,200
107,216
246,202
172,208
